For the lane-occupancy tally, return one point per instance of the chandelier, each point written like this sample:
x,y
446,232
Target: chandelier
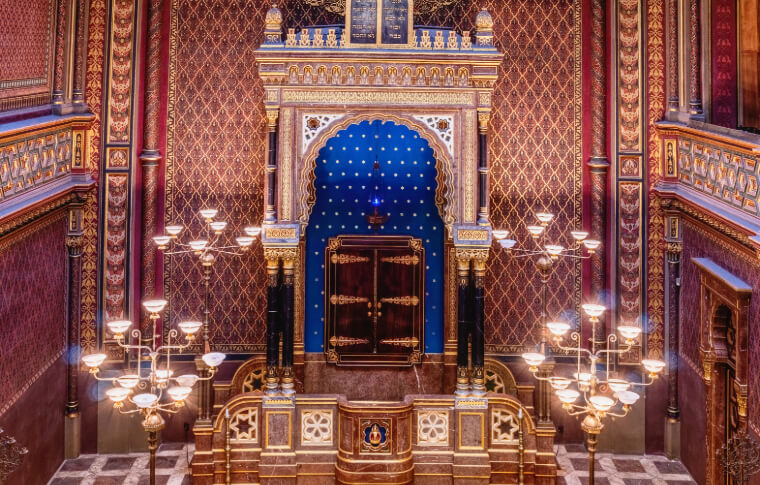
x,y
592,391
150,387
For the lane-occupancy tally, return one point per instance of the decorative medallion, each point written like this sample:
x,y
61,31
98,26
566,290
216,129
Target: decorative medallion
x,y
313,125
316,427
375,435
433,428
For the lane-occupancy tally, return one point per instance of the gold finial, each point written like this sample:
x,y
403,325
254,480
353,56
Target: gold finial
x,y
484,21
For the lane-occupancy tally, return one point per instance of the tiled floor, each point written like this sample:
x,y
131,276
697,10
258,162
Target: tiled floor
x,y
132,469
171,468
619,469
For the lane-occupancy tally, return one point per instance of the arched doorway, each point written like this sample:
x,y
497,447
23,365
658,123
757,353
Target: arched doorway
x,y
406,190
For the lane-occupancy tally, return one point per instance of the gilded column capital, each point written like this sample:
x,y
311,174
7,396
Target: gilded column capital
x,y
484,117
272,115
74,245
287,255
674,250
477,255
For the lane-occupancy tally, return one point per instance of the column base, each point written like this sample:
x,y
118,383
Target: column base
x,y
673,438
72,432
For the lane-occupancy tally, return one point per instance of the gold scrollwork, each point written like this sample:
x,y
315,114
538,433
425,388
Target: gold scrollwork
x,y
347,300
344,341
348,259
402,342
411,260
402,300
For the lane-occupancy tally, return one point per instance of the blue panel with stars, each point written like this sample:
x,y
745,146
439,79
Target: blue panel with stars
x,y
406,192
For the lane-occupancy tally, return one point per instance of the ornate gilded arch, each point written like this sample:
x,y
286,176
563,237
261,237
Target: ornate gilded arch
x,y
445,195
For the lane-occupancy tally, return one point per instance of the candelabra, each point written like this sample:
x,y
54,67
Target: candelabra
x,y
155,377
152,372
599,390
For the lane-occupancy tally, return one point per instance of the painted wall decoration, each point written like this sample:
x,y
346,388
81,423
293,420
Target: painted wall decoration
x,y
26,75
33,161
723,45
535,160
344,192
215,156
33,263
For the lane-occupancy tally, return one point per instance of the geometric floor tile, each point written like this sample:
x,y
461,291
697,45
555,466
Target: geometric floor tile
x,y
612,469
130,469
172,468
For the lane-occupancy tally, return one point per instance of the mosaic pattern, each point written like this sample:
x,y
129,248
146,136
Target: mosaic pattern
x,y
726,175
31,162
215,157
26,74
32,263
130,469
534,160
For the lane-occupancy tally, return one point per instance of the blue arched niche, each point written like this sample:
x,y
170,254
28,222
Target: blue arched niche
x,y
343,183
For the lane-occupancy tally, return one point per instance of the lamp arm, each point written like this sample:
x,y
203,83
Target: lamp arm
x,y
212,373
172,253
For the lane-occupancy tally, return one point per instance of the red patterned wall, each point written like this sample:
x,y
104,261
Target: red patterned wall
x,y
26,73
697,243
32,305
215,157
534,160
724,62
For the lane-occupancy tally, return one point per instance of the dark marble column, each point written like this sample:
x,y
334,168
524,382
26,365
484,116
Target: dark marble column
x,y
60,53
287,292
72,424
80,53
150,158
674,284
463,329
270,215
273,317
672,52
598,163
478,323
695,60
483,119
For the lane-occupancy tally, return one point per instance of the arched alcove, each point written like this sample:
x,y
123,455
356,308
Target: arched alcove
x,y
407,189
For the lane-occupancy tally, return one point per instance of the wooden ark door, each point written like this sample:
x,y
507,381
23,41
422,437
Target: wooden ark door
x,y
374,300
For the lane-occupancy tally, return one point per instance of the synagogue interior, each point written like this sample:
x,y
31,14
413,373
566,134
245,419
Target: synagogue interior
x,y
379,242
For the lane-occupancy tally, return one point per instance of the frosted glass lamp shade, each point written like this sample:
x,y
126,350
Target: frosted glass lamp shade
x,y
554,249
628,398
163,375
567,396
507,243
629,332
592,244
558,328
154,306
545,217
579,235
618,385
593,310
93,361
583,378
174,230
179,393
117,394
145,400
162,241
535,231
500,234
198,245
244,241
118,327
559,383
252,231
218,226
208,213
190,327
128,381
601,403
213,359
187,380
533,359
652,365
